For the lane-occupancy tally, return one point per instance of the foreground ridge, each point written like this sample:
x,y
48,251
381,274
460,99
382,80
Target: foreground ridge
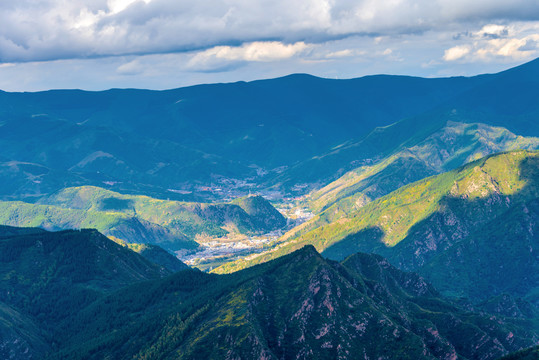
x,y
298,306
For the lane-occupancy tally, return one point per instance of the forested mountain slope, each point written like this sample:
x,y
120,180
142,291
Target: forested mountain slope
x,y
142,219
471,231
47,277
277,133
298,306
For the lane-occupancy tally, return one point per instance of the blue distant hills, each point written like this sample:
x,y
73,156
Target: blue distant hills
x,y
386,217
276,133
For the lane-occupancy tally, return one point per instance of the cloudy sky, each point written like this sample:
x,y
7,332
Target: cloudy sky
x,y
160,44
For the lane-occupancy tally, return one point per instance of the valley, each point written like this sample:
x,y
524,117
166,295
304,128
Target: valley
x,y
296,217
455,213
214,252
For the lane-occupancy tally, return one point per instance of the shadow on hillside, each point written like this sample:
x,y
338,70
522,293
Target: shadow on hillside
x,y
367,240
474,247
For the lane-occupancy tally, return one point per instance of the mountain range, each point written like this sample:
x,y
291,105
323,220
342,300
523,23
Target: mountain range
x,y
141,219
407,225
301,305
266,135
477,222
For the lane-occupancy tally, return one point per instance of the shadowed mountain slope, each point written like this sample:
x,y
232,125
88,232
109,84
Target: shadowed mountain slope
x,y
20,336
527,354
44,260
478,223
297,306
47,277
152,142
155,254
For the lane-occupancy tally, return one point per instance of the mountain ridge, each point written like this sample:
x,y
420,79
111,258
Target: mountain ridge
x,y
142,219
446,217
322,303
435,176
279,123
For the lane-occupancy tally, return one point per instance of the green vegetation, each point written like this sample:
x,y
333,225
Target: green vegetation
x,y
296,130
120,225
411,178
297,304
79,295
422,151
47,277
526,354
460,221
454,145
20,336
250,215
142,219
264,216
154,254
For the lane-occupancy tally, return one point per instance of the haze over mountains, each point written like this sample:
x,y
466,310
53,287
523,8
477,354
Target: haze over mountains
x,y
381,175
282,132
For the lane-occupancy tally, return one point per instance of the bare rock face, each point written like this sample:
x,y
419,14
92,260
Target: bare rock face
x,y
301,306
478,241
101,300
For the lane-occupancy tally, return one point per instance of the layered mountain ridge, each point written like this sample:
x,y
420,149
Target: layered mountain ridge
x,y
297,306
274,132
142,219
455,144
382,175
459,221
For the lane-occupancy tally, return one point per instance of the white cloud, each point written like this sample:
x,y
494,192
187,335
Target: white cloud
x,y
493,31
133,67
340,53
116,6
170,43
221,56
165,71
58,29
514,48
456,52
257,51
493,42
